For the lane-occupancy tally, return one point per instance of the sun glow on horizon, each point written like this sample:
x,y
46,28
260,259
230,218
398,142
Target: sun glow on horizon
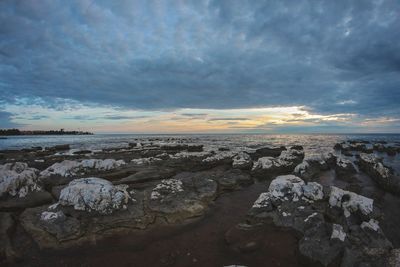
x,y
185,120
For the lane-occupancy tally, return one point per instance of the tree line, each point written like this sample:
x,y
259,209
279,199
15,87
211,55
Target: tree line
x,y
41,132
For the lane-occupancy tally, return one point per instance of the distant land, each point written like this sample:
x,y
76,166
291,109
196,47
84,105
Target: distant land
x,y
5,132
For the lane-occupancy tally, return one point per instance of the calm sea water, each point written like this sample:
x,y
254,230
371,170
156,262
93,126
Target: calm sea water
x,y
99,141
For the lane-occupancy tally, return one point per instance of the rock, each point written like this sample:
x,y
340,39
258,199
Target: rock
x,y
313,191
288,186
7,252
177,200
33,199
233,179
371,225
350,202
82,152
131,145
242,161
219,158
94,194
266,167
286,189
393,259
267,152
146,161
381,174
338,232
174,147
32,149
70,168
313,165
328,238
344,168
17,179
317,246
346,147
58,148
148,175
59,226
195,148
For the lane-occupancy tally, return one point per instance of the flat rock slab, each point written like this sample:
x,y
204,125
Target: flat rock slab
x,y
33,199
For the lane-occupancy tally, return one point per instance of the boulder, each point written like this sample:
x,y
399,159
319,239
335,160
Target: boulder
x,y
381,174
17,179
266,167
87,209
94,195
313,165
344,168
242,161
327,237
62,172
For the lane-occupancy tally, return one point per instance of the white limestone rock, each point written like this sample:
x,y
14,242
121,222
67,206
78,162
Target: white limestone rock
x,y
17,179
220,156
94,194
186,155
371,224
310,217
286,159
338,232
289,188
145,161
302,168
352,202
343,163
376,164
49,216
286,185
166,187
313,191
68,168
241,161
263,201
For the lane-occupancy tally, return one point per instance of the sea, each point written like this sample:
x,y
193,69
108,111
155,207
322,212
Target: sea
x,y
100,141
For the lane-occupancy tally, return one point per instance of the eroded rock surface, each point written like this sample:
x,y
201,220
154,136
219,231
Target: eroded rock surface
x,y
178,199
17,179
382,175
351,231
68,168
94,194
268,166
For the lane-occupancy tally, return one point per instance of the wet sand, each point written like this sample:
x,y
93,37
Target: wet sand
x,y
198,243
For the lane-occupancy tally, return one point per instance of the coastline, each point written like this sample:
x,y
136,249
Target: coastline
x,y
203,213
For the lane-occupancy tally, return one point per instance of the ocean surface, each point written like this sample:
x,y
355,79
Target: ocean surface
x,y
99,141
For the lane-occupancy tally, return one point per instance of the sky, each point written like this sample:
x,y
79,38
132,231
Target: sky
x,y
227,66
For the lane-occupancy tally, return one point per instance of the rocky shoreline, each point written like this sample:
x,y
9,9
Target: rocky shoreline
x,y
333,208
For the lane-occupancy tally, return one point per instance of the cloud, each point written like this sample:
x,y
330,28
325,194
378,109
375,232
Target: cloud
x,y
122,117
229,119
6,120
331,56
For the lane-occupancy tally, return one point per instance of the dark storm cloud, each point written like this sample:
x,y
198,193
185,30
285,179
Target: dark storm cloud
x,y
106,117
331,56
